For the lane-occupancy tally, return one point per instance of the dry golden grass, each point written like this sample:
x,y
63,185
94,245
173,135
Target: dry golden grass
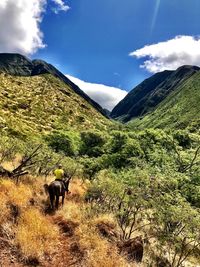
x,y
4,209
72,211
36,185
38,236
17,195
106,218
99,252
35,234
78,189
11,196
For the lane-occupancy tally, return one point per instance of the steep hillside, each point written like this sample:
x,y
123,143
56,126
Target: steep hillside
x,y
146,96
180,109
41,103
18,65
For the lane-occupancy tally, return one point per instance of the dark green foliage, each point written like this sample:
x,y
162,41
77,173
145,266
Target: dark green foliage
x,y
183,138
91,166
92,143
61,142
118,141
120,150
190,188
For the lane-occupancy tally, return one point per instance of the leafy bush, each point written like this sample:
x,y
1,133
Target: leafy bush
x,y
176,226
127,200
62,142
92,143
183,138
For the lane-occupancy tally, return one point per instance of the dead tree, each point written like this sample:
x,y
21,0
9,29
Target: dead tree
x,y
27,161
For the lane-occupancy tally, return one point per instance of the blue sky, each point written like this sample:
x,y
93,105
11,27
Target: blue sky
x,y
106,41
92,41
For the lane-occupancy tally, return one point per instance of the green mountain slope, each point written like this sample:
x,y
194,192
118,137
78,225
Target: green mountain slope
x,y
180,109
146,96
42,103
19,65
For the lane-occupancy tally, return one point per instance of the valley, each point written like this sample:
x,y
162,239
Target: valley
x,y
135,189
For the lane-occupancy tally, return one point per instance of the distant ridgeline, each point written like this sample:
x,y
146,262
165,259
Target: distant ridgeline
x,y
35,97
19,65
168,98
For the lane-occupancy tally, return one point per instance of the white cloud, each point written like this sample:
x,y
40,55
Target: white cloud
x,y
182,50
20,21
104,95
20,24
60,6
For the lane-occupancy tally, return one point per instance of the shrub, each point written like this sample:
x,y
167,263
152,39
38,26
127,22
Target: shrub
x,y
62,142
92,143
183,138
91,166
176,226
118,141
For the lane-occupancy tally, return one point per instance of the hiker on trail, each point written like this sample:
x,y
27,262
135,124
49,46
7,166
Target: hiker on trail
x,y
59,173
60,176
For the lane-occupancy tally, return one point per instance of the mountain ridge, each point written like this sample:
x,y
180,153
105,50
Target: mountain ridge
x,y
179,110
18,65
145,97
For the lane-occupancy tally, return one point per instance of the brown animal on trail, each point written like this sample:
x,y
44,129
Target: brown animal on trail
x,y
56,189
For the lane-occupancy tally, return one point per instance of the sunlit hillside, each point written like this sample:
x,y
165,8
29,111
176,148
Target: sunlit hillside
x,y
39,104
179,110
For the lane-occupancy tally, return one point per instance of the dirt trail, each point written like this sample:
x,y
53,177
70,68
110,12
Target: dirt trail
x,y
68,252
63,257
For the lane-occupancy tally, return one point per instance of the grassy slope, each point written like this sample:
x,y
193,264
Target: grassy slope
x,y
179,110
145,97
39,104
66,238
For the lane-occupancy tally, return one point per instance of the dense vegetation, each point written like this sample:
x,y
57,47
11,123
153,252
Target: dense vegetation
x,y
150,180
147,179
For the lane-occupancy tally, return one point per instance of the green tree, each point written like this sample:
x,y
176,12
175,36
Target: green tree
x,y
176,226
62,142
92,143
